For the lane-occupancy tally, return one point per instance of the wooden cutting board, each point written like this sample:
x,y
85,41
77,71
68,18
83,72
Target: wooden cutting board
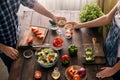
x,y
28,33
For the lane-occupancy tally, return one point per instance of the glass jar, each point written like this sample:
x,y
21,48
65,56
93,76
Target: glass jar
x,y
55,73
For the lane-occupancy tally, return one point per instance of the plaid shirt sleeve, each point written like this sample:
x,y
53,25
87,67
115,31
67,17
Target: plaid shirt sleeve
x,y
28,3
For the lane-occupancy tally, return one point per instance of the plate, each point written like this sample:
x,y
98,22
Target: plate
x,y
98,60
76,67
47,57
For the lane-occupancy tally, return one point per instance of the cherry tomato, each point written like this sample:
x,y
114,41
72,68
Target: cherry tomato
x,y
76,77
37,74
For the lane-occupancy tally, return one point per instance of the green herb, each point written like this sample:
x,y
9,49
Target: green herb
x,y
90,12
52,23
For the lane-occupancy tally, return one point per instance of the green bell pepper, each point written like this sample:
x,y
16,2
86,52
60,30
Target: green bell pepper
x,y
72,49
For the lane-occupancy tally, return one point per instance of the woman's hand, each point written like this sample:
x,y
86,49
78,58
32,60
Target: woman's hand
x,y
106,72
75,24
10,52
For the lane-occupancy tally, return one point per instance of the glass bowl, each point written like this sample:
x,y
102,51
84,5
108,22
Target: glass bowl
x,y
47,57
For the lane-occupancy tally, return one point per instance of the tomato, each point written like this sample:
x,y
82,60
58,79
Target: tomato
x,y
57,42
37,74
38,32
76,77
40,36
59,39
65,57
34,29
30,39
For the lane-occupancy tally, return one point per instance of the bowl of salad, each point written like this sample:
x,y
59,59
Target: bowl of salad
x,y
47,57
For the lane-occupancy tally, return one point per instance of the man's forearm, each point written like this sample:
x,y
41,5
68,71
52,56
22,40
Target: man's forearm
x,y
42,10
2,47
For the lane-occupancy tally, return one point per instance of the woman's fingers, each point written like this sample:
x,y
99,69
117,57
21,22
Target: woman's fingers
x,y
102,68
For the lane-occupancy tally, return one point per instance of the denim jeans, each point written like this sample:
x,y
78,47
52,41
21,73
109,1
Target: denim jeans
x,y
7,61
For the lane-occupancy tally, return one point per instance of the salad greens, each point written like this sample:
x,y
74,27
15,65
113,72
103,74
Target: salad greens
x,y
46,56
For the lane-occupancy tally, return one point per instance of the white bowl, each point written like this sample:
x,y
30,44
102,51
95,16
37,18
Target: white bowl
x,y
54,28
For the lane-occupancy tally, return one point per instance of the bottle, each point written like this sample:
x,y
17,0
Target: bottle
x,y
55,73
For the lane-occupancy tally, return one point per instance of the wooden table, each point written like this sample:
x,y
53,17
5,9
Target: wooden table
x,y
23,69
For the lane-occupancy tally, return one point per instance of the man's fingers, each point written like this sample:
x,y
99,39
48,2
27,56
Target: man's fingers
x,y
12,56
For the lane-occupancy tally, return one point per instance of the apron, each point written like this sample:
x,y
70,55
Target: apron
x,y
111,44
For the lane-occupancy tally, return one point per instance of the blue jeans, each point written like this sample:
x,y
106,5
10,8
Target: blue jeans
x,y
116,76
7,61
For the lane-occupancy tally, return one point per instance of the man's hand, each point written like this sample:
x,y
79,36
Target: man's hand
x,y
57,19
106,72
10,52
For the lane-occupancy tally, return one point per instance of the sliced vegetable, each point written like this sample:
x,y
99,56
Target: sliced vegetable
x,y
30,40
40,36
76,77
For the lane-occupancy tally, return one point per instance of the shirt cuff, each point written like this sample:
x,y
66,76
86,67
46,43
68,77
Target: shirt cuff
x,y
28,3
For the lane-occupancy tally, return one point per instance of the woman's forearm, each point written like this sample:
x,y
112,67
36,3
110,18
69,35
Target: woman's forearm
x,y
106,19
42,10
117,66
97,22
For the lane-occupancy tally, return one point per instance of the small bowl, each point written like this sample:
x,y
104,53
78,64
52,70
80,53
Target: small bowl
x,y
28,53
68,36
54,28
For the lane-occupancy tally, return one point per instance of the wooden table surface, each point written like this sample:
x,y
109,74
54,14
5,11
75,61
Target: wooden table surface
x,y
23,69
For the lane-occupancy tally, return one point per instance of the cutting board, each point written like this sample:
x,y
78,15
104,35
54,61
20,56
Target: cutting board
x,y
97,51
28,33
